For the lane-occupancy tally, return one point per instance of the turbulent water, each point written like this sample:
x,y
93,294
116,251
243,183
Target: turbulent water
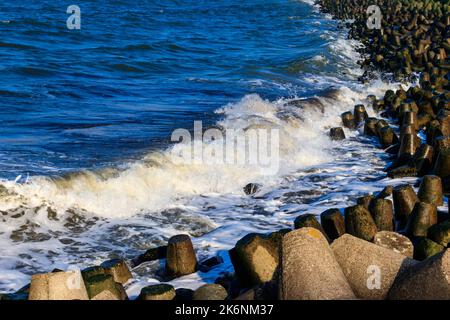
x,y
86,163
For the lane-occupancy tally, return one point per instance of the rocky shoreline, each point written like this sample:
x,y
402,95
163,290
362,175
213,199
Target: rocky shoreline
x,y
389,245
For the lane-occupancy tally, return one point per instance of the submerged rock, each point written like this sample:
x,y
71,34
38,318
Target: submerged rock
x,y
210,263
337,134
348,120
152,254
251,188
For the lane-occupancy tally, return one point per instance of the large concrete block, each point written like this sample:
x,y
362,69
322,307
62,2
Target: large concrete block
x,y
309,270
369,268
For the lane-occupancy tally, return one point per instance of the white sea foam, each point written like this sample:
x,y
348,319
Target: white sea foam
x,y
310,2
158,181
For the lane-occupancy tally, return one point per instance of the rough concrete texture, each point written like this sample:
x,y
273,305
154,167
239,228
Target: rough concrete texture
x,y
395,241
58,286
256,257
161,291
210,292
181,259
359,222
428,280
118,269
309,270
332,223
369,268
105,295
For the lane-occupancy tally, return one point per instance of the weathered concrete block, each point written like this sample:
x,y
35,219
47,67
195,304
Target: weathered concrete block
x,y
58,286
395,242
430,190
256,257
404,201
337,133
210,292
151,254
332,223
181,259
118,269
442,167
348,120
386,192
308,220
428,280
440,233
365,201
383,214
161,291
426,248
421,219
359,222
369,268
103,287
309,270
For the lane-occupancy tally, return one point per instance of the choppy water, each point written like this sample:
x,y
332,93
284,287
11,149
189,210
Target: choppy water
x,y
87,116
78,99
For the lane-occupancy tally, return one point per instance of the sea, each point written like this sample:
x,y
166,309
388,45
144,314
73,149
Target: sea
x,y
88,170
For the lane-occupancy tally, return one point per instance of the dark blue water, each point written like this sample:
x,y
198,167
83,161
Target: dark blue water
x,y
108,93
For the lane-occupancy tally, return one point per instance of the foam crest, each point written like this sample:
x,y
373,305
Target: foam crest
x,y
159,181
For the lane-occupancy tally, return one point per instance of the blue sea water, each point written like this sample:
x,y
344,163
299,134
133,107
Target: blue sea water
x,y
135,71
101,103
